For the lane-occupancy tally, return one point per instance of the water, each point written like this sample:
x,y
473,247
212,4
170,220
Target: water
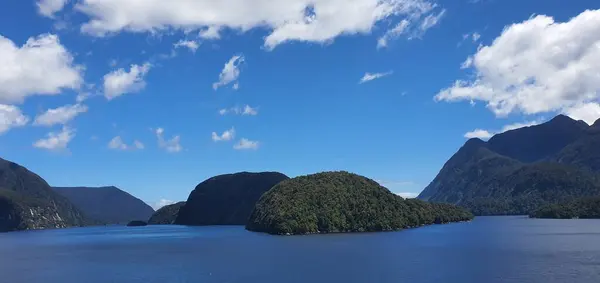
x,y
489,249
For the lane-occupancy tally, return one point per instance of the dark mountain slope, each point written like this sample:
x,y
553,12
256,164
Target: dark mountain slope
x,y
108,205
535,143
487,182
166,214
334,202
584,152
28,202
226,199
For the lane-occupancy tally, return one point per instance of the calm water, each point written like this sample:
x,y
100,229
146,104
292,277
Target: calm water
x,y
489,249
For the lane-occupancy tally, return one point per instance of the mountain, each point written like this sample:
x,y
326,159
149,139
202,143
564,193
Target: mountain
x,y
517,171
28,202
226,199
535,143
166,214
109,205
334,202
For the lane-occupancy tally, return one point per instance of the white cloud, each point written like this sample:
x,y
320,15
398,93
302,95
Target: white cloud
x,y
431,21
11,117
369,77
225,136
247,110
42,66
189,44
588,112
117,144
49,7
475,36
246,144
170,145
56,140
486,134
138,144
479,133
291,20
121,82
536,66
408,194
393,33
230,72
163,202
210,33
60,115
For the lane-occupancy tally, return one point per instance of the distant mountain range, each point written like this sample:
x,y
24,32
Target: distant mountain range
x,y
108,205
517,171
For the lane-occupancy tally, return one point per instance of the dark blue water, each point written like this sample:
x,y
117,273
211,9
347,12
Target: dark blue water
x,y
487,250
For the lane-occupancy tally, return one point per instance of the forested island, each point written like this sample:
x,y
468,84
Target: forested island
x,y
335,202
579,208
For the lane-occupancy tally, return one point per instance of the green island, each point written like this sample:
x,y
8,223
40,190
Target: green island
x,y
336,202
579,208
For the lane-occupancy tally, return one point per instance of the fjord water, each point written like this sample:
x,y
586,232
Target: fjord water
x,y
488,249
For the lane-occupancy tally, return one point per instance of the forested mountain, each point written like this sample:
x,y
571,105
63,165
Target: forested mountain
x,y
109,205
518,171
333,202
226,199
28,202
166,214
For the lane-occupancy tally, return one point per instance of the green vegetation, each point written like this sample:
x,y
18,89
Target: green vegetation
x,y
334,202
166,214
226,199
579,208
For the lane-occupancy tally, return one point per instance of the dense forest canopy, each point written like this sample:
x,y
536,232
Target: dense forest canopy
x,y
342,202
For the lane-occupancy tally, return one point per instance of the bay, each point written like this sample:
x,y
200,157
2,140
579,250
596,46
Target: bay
x,y
488,249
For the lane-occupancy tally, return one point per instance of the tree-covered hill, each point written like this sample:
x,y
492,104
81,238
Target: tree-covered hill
x,y
342,202
578,208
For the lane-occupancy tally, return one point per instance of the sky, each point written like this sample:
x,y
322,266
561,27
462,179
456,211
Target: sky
x,y
156,96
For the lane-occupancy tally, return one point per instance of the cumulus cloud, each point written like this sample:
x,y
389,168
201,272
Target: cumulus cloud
x,y
42,66
56,141
486,134
170,145
535,66
49,7
246,144
121,82
247,110
60,115
189,44
230,72
11,117
369,76
225,136
291,20
587,112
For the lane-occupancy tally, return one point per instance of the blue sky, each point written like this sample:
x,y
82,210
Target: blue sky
x,y
158,96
